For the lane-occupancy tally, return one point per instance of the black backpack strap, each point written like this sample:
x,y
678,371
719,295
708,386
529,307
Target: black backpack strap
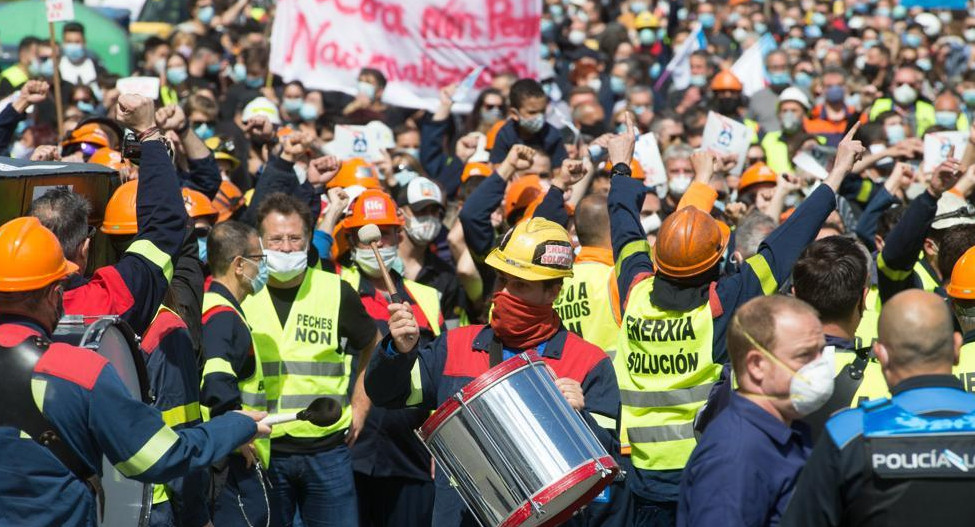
x,y
495,352
19,410
845,387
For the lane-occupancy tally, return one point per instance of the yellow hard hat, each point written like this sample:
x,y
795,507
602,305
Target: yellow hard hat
x,y
535,249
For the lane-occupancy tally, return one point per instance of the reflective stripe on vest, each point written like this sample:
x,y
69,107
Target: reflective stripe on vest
x,y
426,297
923,113
15,75
585,306
252,389
928,282
304,355
665,371
866,333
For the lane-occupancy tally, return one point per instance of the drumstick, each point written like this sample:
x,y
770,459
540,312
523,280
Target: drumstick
x,y
323,411
370,234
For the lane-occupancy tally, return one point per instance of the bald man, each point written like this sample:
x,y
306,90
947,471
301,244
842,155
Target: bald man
x,y
908,460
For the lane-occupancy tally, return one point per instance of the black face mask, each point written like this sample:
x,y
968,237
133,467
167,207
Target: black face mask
x,y
870,71
594,130
727,106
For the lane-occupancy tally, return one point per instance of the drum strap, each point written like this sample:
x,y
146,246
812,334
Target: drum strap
x,y
495,352
20,412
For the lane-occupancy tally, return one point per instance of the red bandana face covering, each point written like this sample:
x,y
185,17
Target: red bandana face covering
x,y
522,325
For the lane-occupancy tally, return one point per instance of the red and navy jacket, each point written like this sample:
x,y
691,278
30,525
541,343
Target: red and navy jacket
x,y
226,336
174,379
82,396
134,287
453,360
387,446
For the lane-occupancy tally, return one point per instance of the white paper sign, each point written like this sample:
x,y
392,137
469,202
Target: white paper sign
x,y
724,135
647,153
145,86
938,144
59,10
467,85
354,141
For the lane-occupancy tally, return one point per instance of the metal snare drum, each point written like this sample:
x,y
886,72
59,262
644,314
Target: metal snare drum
x,y
517,453
127,502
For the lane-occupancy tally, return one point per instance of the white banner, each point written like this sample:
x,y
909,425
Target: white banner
x,y
420,45
59,10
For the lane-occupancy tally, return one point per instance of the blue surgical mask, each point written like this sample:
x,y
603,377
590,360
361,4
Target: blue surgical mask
x,y
213,69
923,64
617,84
308,112
292,104
796,43
899,12
969,97
73,51
85,107
491,116
260,280
835,93
638,7
706,20
818,19
946,119
239,72
403,177
803,80
912,40
253,82
367,90
761,28
557,12
203,131
46,68
547,26
176,75
882,12
698,80
532,125
779,78
205,14
413,152
647,36
655,70
895,134
813,32
201,244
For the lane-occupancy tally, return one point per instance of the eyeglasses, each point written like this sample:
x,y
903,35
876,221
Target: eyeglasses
x,y
257,257
277,241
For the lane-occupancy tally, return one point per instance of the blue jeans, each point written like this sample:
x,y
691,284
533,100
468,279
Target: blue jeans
x,y
241,500
654,513
162,515
320,487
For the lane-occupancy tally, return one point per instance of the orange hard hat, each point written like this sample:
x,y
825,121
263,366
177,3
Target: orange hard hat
x,y
962,284
689,242
475,169
106,156
757,173
30,256
197,204
636,170
492,133
88,133
229,198
373,206
356,171
726,81
521,193
120,216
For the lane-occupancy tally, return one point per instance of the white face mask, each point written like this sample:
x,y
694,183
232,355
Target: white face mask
x,y
678,185
366,260
905,94
285,266
812,385
423,229
650,223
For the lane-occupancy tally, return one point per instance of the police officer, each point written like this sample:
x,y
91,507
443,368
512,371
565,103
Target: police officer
x,y
134,287
832,275
675,315
233,374
392,467
299,323
83,400
589,301
532,260
894,461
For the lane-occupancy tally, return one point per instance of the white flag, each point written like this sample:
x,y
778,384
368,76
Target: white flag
x,y
679,67
750,70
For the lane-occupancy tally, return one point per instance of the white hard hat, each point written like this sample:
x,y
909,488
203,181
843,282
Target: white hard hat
x,y
930,23
261,106
795,95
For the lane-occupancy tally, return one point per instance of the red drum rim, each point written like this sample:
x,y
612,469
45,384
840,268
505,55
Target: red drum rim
x,y
577,476
473,389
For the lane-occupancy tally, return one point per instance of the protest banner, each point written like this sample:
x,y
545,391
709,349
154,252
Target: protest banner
x,y
724,135
647,153
145,86
355,141
938,144
420,46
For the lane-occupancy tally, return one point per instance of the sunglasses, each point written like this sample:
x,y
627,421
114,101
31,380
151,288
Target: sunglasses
x,y
493,106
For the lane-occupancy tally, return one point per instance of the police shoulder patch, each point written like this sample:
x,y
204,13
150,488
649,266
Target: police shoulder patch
x,y
845,426
72,364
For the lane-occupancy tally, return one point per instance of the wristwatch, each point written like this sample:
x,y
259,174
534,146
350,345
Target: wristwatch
x,y
622,170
